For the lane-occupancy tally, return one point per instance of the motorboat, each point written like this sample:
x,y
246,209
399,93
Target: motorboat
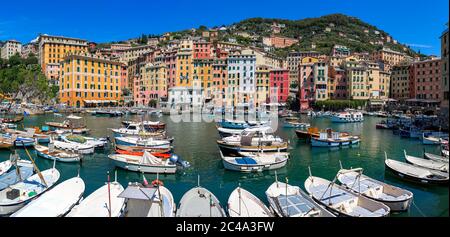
x,y
255,161
74,147
147,163
199,202
143,142
54,154
347,117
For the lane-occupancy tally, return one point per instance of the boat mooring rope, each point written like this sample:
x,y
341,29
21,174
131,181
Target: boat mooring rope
x,y
418,209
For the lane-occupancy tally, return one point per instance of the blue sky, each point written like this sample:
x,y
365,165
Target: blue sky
x,y
411,22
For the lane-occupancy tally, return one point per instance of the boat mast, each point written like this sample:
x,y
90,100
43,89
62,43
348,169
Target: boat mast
x,y
287,207
240,198
109,196
35,166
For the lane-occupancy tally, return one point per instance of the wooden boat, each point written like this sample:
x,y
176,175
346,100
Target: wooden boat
x,y
141,153
6,142
242,203
144,142
199,202
54,154
314,132
24,142
342,202
73,124
24,170
435,157
429,164
97,203
146,163
148,201
227,132
415,173
148,125
290,201
23,192
5,166
255,161
74,147
142,149
56,202
16,119
395,198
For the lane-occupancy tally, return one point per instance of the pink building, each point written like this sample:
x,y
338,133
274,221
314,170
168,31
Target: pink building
x,y
170,59
202,50
279,80
124,77
306,82
425,80
337,83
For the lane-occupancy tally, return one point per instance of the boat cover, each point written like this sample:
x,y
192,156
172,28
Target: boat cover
x,y
245,161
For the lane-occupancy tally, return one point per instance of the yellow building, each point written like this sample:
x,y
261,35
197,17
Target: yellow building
x,y
385,84
53,49
87,80
262,84
203,76
184,69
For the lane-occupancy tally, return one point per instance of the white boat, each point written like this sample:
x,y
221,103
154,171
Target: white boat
x,y
146,163
226,132
395,198
90,141
58,155
347,117
155,201
429,164
242,203
435,157
143,142
74,147
343,202
97,203
336,140
23,192
415,173
5,166
429,139
255,161
252,141
23,170
199,202
290,201
56,202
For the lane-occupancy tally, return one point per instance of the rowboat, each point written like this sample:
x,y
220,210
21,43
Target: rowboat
x,y
227,132
242,203
149,125
415,173
199,202
56,202
24,170
58,155
12,120
141,149
255,161
18,195
90,141
435,157
6,142
24,142
74,147
144,142
430,140
97,203
295,124
141,153
148,201
429,164
146,163
335,142
5,166
343,202
395,198
290,201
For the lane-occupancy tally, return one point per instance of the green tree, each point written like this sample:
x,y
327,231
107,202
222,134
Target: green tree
x,y
152,103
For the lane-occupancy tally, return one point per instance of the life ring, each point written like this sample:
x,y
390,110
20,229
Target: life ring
x,y
157,182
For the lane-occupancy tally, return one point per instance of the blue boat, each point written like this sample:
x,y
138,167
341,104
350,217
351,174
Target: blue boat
x,y
11,177
24,142
238,124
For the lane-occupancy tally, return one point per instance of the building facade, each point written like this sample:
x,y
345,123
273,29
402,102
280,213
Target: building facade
x,y
279,84
444,72
399,85
425,80
11,48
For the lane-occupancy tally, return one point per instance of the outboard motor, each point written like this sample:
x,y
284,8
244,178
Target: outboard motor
x,y
177,160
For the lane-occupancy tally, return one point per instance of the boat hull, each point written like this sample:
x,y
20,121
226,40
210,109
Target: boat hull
x,y
234,150
66,160
253,168
145,168
415,179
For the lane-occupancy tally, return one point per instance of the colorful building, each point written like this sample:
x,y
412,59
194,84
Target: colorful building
x,y
54,49
262,84
201,50
11,48
425,80
444,72
151,85
279,41
358,80
306,81
220,75
279,84
337,83
241,79
86,80
184,68
399,84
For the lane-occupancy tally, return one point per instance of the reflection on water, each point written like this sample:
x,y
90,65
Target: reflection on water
x,y
196,143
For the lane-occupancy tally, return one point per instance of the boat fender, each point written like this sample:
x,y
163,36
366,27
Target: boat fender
x,y
157,182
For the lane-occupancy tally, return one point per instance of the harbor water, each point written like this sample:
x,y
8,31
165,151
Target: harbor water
x,y
196,143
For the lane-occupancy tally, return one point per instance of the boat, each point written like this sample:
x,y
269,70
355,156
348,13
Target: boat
x,y
431,140
142,149
24,169
16,119
255,161
295,124
234,124
148,125
429,164
199,202
141,152
252,141
144,142
148,201
290,201
347,117
56,202
416,173
395,198
6,142
74,124
146,163
334,139
435,157
343,202
242,203
227,132
54,154
24,142
314,132
382,125
18,195
99,143
74,147
110,113
103,202
5,166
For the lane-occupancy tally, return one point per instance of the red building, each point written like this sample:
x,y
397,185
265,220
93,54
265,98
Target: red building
x,y
124,76
425,80
279,81
337,83
202,50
